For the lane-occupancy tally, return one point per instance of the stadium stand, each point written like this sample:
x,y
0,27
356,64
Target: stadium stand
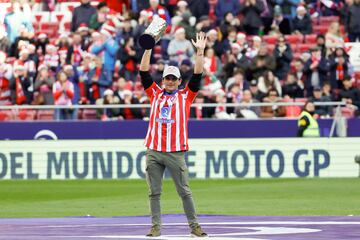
x,y
37,34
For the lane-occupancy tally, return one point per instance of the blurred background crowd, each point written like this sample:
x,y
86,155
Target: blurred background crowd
x,y
86,52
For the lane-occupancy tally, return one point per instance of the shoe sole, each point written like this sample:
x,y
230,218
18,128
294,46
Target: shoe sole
x,y
194,236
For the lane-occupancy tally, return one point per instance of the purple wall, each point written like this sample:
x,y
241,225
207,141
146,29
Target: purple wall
x,y
137,129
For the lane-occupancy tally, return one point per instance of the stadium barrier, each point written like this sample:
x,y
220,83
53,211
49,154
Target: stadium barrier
x,y
207,158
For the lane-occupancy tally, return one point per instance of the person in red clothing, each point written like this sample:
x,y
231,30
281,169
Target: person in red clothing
x,y
63,91
167,136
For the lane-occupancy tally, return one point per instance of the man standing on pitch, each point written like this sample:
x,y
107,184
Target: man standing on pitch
x,y
167,135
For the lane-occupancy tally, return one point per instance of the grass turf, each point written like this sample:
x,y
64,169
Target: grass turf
x,y
336,196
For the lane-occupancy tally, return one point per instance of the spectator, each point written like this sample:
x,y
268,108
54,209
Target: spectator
x,y
302,23
353,21
84,32
126,32
180,48
248,112
225,6
186,71
94,76
63,91
156,9
190,31
292,88
143,23
4,41
108,113
51,58
299,72
339,67
288,8
212,66
280,24
41,43
326,89
23,40
182,7
269,81
139,5
21,86
75,51
233,95
325,111
82,14
283,55
73,77
5,80
272,111
107,48
262,62
238,79
129,60
200,112
350,94
129,112
99,18
229,22
254,48
316,70
320,42
267,15
235,59
204,24
213,42
199,8
43,86
255,92
15,20
29,65
220,110
333,38
252,10
120,88
231,38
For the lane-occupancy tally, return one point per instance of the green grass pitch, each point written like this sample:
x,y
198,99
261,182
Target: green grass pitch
x,y
104,198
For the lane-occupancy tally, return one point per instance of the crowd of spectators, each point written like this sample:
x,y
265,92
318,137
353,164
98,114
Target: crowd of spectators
x,y
252,55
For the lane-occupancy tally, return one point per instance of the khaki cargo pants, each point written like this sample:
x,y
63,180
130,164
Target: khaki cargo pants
x,y
156,162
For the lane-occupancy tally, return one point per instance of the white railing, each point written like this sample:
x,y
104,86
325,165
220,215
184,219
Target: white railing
x,y
260,104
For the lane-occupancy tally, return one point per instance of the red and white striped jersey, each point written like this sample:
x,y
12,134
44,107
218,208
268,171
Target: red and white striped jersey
x,y
168,126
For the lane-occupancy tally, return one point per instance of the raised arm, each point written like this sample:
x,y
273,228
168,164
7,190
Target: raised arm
x,y
146,78
145,61
194,83
200,45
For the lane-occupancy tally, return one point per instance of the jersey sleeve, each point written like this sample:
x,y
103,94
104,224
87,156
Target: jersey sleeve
x,y
191,95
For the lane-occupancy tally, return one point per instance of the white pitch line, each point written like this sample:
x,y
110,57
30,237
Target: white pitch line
x,y
203,223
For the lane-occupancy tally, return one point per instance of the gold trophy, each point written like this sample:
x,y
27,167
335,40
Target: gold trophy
x,y
153,33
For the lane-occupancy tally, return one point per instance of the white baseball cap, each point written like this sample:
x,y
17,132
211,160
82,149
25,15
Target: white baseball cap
x,y
171,70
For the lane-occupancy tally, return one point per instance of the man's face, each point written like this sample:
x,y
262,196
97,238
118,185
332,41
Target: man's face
x,y
171,83
273,95
77,38
85,1
347,83
246,96
299,66
317,94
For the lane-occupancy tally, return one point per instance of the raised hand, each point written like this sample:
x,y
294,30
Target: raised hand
x,y
200,42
